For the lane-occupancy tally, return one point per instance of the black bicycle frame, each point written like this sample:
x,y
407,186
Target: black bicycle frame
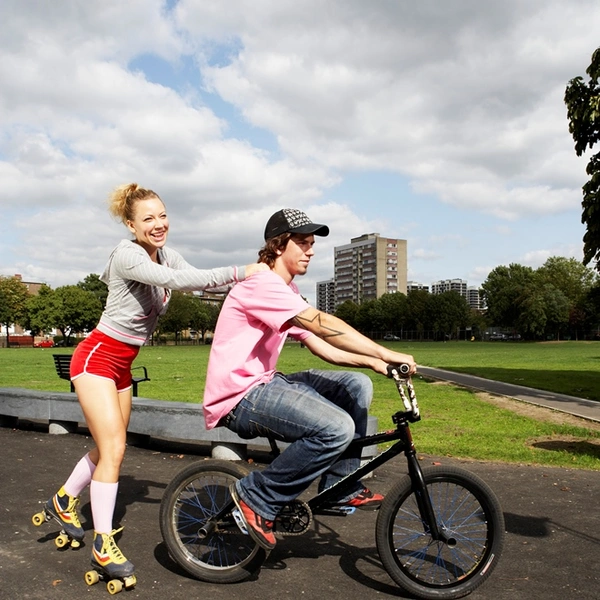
x,y
404,444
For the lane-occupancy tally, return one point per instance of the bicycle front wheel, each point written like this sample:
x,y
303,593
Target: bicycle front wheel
x,y
223,554
469,515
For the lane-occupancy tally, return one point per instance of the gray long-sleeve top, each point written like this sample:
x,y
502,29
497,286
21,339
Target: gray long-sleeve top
x,y
139,289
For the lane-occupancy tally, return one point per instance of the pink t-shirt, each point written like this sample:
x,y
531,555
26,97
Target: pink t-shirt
x,y
249,335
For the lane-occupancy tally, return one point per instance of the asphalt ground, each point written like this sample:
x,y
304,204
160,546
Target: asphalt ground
x,y
552,547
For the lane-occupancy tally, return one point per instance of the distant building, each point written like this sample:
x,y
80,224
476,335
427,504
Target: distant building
x,y
33,287
469,293
450,285
326,296
413,286
368,267
474,298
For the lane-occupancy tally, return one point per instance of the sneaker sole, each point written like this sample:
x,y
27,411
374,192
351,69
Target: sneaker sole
x,y
257,538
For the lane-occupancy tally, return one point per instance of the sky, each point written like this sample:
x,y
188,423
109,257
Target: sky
x,y
442,123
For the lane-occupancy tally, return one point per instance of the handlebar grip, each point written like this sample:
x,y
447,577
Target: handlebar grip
x,y
402,368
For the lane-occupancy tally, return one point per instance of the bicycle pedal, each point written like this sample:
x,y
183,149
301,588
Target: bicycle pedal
x,y
239,520
346,510
340,511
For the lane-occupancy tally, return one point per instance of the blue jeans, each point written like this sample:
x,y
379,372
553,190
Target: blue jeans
x,y
318,413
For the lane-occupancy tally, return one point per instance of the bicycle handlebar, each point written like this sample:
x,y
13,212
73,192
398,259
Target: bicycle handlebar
x,y
400,369
399,373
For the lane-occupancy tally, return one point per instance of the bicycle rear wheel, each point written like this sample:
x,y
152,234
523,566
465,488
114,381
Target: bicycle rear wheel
x,y
192,498
468,513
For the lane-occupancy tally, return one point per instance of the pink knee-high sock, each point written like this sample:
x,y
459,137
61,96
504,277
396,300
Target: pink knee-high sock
x,y
103,497
80,477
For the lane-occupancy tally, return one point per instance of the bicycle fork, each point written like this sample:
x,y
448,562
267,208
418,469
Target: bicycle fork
x,y
424,504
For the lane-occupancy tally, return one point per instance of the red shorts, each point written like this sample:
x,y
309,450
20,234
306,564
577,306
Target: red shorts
x,y
102,356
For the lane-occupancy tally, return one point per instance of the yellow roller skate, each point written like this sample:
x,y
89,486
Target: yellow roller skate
x,y
109,564
63,509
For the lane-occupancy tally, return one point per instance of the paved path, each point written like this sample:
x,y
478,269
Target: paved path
x,y
588,409
552,518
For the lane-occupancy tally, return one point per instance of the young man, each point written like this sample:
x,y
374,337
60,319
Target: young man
x,y
318,412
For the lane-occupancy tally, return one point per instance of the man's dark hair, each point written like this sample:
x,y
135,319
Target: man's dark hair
x,y
268,253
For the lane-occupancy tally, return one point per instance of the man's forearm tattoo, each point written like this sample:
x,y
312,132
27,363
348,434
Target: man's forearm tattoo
x,y
325,332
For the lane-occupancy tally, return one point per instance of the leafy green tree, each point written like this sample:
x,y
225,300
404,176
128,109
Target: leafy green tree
x,y
393,311
13,302
39,313
583,112
556,307
447,313
179,314
531,320
347,311
591,308
369,317
92,283
73,310
417,302
503,292
204,316
568,275
477,322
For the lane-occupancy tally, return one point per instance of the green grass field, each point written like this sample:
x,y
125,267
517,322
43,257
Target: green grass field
x,y
456,422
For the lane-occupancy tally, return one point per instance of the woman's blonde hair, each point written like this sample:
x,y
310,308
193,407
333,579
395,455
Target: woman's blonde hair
x,y
122,200
268,253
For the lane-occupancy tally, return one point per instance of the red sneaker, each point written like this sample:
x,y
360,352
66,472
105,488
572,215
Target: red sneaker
x,y
259,528
366,500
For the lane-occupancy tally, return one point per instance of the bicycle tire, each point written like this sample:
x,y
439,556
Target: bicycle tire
x,y
196,494
465,508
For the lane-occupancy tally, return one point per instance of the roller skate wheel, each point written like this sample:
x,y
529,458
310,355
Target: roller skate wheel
x,y
75,544
91,577
114,586
38,519
61,541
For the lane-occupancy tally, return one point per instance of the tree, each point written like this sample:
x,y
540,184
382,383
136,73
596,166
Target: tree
x,y
369,317
568,275
556,307
393,311
13,301
447,313
92,283
347,311
531,321
416,309
592,307
504,290
39,313
204,316
73,310
179,314
583,111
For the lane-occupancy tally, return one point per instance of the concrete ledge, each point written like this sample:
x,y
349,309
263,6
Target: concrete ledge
x,y
159,418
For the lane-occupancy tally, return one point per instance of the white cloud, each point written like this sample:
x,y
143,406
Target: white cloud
x,y
462,100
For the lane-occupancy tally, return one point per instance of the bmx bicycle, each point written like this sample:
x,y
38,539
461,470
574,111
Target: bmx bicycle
x,y
439,531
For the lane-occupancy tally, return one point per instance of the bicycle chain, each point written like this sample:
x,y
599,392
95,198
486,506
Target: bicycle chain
x,y
294,519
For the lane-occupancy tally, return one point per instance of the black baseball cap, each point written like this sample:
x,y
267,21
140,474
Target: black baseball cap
x,y
291,220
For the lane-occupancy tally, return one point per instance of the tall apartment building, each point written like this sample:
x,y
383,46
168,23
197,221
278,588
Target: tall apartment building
x,y
413,286
470,293
450,285
474,298
326,295
368,267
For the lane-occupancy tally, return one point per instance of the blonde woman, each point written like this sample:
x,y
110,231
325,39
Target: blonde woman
x,y
140,274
